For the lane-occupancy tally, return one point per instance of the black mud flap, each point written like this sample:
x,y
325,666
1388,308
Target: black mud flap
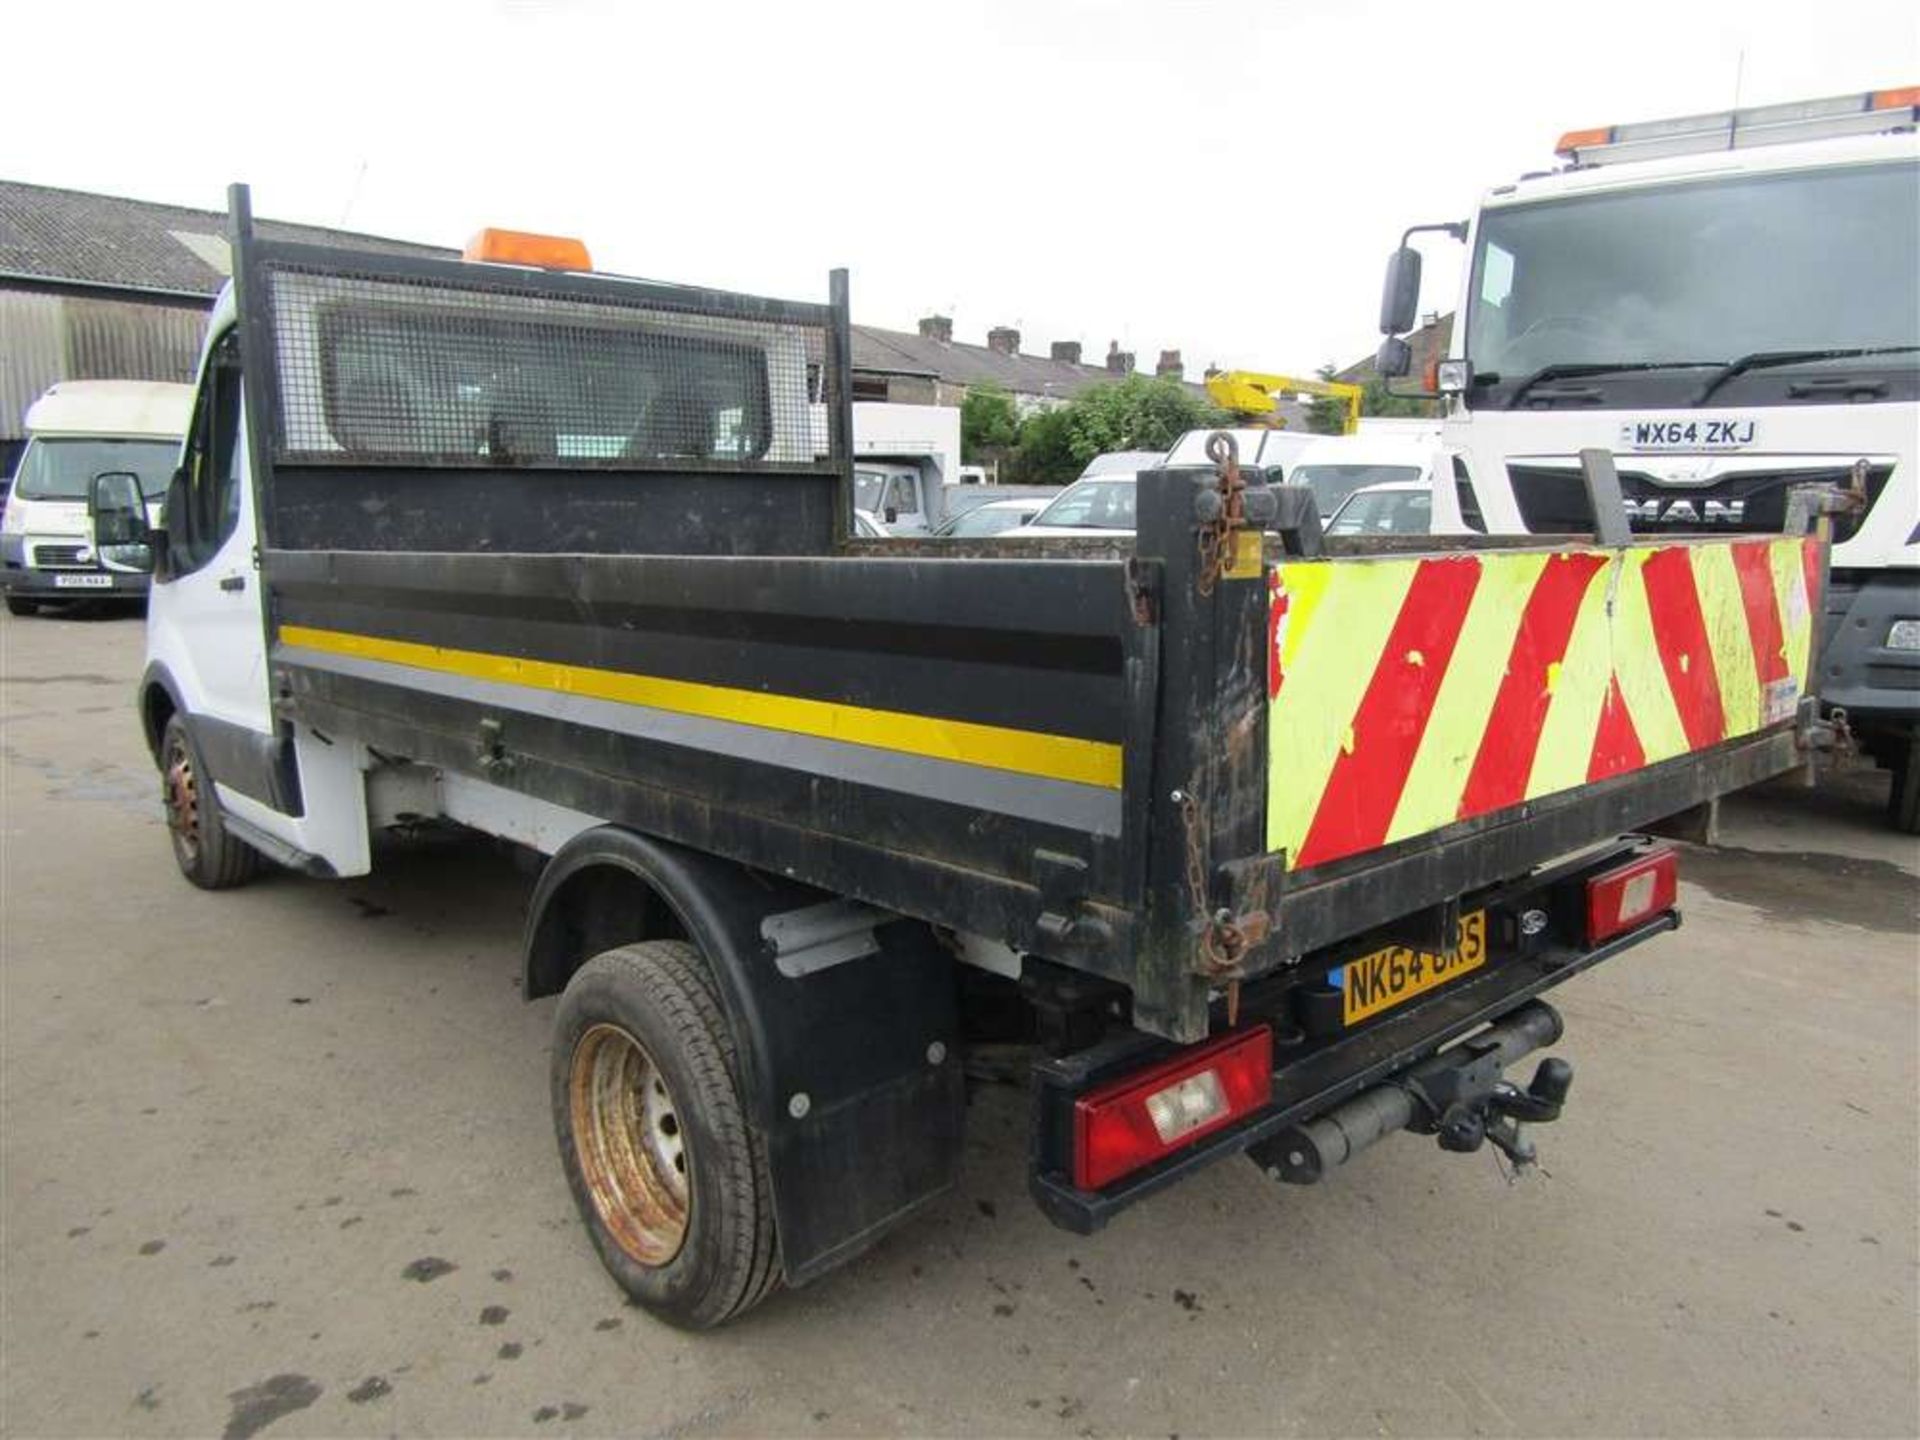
x,y
868,1126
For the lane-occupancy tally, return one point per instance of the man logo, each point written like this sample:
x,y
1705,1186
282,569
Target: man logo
x,y
1656,511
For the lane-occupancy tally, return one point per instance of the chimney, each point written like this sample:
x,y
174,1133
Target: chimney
x,y
1067,351
937,327
1119,362
1003,340
1170,367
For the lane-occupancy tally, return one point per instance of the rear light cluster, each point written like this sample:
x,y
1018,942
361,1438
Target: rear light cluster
x,y
1139,1118
1629,895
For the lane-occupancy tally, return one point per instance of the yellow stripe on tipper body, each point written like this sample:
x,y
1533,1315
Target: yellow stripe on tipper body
x,y
1724,614
1786,559
1639,668
1458,723
1329,652
1578,686
1026,752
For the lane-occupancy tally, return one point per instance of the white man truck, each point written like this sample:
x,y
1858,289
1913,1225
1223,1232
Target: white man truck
x,y
1730,304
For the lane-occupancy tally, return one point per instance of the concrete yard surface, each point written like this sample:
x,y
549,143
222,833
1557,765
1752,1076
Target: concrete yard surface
x,y
278,1161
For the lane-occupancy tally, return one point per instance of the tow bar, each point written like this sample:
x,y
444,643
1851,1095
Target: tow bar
x,y
1458,1095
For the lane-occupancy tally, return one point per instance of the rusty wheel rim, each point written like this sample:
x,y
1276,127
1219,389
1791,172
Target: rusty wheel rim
x,y
180,793
631,1144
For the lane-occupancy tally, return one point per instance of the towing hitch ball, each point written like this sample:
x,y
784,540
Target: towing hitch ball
x,y
1458,1096
1466,1125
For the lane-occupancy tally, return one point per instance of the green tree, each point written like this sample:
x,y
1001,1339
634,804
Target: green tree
x,y
1378,400
1327,415
1044,455
1137,413
989,424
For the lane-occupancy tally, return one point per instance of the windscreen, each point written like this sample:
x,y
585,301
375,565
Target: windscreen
x,y
1385,512
1699,273
1331,484
1092,505
64,469
867,488
985,520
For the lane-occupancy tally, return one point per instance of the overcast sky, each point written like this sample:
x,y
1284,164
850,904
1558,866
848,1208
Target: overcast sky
x,y
1222,178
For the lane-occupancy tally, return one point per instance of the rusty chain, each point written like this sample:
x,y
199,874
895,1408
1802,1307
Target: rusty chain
x,y
1216,535
1222,942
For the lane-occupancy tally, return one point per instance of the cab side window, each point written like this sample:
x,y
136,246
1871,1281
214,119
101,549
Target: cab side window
x,y
204,505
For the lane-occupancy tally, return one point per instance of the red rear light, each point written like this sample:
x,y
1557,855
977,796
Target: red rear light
x,y
1135,1120
1632,894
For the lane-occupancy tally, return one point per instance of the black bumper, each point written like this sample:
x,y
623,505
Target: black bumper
x,y
1310,1083
26,583
1859,672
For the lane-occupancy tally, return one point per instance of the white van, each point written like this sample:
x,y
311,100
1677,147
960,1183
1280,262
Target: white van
x,y
79,429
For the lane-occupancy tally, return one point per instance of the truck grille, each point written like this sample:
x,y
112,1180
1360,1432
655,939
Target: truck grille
x,y
60,557
1553,500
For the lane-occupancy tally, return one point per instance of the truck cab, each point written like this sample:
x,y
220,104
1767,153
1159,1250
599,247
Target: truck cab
x,y
893,494
79,429
1729,305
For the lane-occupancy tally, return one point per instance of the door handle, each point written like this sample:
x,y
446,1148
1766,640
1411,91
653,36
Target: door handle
x,y
233,582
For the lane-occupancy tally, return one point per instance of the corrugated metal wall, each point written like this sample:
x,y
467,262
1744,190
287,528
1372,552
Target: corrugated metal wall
x,y
44,338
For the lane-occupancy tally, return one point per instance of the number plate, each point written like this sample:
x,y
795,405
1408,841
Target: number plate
x,y
83,582
1736,433
1383,979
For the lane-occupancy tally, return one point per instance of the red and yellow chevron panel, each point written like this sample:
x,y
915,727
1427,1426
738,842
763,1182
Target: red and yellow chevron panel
x,y
1410,693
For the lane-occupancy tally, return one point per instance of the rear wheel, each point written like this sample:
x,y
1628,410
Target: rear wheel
x,y
206,853
669,1177
20,605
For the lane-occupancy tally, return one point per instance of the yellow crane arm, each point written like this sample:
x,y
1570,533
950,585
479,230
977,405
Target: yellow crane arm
x,y
1251,393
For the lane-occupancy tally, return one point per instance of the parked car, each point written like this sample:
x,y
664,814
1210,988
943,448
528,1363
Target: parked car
x,y
1103,503
1338,466
1401,507
996,517
1122,462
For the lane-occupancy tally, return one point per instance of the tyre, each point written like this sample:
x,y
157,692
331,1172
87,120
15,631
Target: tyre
x,y
1903,801
669,1177
207,854
20,605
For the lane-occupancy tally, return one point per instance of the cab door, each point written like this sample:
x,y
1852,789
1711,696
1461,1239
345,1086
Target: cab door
x,y
205,622
296,795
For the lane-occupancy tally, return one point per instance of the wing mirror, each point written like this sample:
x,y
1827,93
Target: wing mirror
x,y
1394,358
1400,297
118,511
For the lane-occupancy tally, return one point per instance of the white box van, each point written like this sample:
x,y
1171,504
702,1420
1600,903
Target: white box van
x,y
79,429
